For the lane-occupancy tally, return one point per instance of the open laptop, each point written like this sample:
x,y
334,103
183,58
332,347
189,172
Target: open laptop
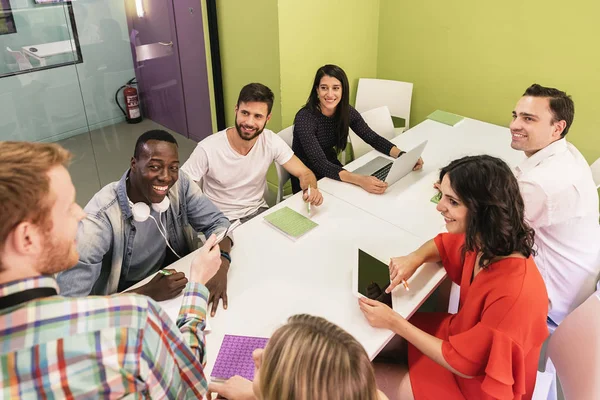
x,y
391,171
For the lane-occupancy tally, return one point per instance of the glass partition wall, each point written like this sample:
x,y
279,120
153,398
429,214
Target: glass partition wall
x,y
63,67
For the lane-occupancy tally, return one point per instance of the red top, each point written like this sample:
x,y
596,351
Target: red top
x,y
495,337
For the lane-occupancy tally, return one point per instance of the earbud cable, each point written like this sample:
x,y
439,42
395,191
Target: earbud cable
x,y
163,235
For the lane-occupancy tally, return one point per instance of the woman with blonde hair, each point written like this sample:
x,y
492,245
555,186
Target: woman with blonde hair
x,y
307,358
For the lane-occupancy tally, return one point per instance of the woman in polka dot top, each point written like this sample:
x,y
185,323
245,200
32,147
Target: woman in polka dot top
x,y
321,131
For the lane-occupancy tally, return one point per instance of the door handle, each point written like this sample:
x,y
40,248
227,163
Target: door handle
x,y
170,44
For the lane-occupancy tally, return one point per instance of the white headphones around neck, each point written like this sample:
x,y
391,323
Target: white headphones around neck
x,y
141,213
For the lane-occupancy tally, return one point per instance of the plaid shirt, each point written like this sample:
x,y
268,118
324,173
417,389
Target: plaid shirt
x,y
101,347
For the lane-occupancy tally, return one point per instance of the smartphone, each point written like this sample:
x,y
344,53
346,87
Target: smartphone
x,y
222,235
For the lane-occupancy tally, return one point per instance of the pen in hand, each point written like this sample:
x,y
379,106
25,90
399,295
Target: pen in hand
x,y
405,284
308,201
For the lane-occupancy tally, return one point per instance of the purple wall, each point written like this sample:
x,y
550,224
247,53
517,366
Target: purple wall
x,y
172,80
190,36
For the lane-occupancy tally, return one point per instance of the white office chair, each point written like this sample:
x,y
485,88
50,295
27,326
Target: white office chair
x,y
283,176
574,349
22,60
378,119
596,172
373,93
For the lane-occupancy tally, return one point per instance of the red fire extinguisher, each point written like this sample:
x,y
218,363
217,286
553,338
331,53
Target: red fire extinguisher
x,y
132,111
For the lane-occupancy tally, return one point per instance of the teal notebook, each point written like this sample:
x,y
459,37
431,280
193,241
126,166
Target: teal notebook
x,y
445,117
290,222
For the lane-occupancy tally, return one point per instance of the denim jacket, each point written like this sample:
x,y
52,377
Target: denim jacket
x,y
105,237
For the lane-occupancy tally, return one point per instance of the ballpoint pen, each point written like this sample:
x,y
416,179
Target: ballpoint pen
x,y
405,285
308,202
403,281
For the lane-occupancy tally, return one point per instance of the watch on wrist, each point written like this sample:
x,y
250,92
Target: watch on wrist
x,y
226,255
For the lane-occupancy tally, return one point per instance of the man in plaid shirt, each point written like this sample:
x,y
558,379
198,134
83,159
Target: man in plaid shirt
x,y
91,347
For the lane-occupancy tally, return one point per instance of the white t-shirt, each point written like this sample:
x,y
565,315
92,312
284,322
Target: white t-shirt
x,y
561,205
233,182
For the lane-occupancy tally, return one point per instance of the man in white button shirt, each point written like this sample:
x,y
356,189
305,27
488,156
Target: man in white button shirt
x,y
233,163
561,201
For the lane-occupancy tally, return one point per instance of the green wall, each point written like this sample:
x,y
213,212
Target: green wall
x,y
249,44
473,58
313,33
281,43
476,58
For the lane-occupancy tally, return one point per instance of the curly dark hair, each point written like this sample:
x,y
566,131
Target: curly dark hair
x,y
495,218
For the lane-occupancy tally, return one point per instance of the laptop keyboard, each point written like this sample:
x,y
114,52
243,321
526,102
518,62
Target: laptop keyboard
x,y
382,173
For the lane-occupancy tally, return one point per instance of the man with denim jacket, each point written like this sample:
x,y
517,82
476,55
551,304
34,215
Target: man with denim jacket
x,y
116,251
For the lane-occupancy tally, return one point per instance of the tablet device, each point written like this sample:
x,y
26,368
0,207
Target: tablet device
x,y
371,277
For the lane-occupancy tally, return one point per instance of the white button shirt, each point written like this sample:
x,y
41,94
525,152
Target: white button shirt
x,y
561,205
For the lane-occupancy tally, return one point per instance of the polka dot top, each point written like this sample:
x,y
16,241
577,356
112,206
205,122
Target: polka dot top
x,y
315,139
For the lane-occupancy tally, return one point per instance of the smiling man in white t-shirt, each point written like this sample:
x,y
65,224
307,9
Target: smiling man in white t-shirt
x,y
233,163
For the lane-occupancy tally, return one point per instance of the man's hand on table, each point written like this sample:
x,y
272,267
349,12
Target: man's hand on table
x,y
217,287
164,287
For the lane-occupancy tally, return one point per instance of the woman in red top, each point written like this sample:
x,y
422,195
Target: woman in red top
x,y
490,348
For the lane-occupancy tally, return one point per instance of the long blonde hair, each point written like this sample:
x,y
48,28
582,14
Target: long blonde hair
x,y
311,358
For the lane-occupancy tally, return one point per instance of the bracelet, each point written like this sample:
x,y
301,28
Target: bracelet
x,y
226,255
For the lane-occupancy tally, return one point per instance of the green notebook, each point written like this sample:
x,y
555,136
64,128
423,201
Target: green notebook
x,y
445,117
290,222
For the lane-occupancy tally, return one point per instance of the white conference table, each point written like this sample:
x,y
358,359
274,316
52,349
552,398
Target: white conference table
x,y
46,50
406,204
273,277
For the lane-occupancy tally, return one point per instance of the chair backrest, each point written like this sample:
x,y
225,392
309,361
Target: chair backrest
x,y
22,60
378,119
283,176
287,135
574,349
596,172
373,93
